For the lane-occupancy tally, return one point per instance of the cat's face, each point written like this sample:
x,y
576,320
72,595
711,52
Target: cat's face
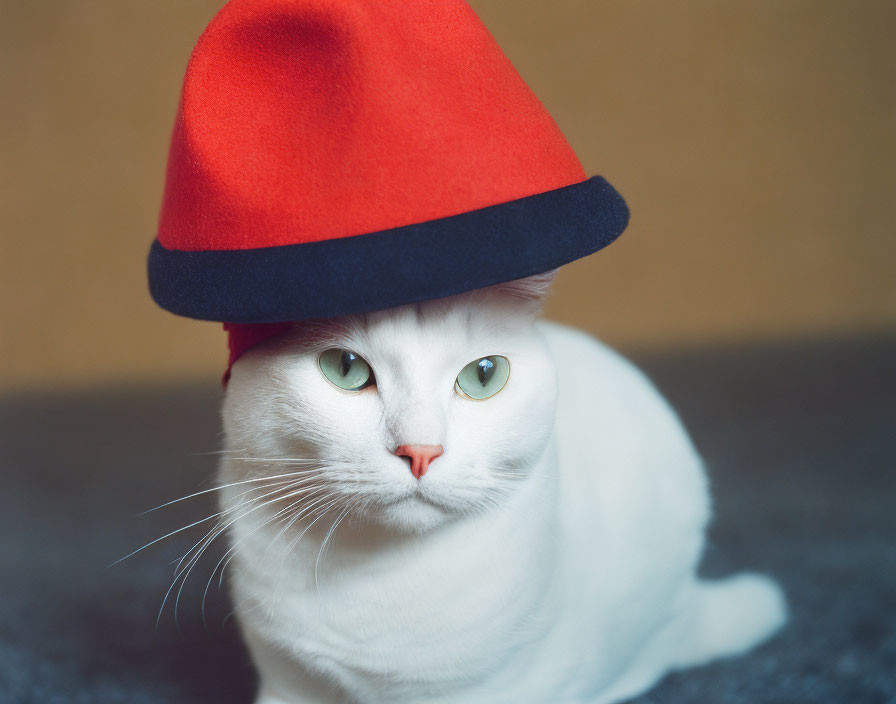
x,y
280,406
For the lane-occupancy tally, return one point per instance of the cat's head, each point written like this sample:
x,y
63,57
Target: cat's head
x,y
357,406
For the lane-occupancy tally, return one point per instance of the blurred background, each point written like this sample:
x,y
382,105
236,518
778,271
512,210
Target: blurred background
x,y
753,140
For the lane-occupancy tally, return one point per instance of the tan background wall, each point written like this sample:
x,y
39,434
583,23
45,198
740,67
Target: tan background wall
x,y
753,139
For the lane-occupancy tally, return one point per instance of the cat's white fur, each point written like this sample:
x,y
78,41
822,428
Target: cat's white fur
x,y
548,556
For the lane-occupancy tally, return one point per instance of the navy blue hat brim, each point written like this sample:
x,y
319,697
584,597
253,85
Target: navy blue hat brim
x,y
393,267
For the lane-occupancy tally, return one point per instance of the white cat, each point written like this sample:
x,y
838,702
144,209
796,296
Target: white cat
x,y
539,545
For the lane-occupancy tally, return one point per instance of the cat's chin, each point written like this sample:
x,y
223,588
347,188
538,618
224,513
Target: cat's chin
x,y
413,514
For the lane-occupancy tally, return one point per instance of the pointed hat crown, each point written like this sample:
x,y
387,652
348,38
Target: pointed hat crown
x,y
335,156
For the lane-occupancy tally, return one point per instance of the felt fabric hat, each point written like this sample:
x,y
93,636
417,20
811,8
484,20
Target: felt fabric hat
x,y
338,156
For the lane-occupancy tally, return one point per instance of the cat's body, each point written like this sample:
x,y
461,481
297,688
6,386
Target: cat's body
x,y
548,556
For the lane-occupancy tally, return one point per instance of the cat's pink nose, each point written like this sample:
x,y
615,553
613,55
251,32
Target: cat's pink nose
x,y
420,456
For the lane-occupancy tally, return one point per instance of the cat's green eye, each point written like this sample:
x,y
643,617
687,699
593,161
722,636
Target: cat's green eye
x,y
345,369
483,378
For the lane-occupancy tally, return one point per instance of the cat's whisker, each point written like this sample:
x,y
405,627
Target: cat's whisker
x,y
213,452
227,510
281,483
276,460
291,487
302,513
182,574
225,558
231,552
182,570
168,535
284,513
183,528
295,541
301,482
325,543
200,547
290,520
227,486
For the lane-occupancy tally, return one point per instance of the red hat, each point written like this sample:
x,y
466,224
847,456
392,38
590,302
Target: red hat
x,y
338,156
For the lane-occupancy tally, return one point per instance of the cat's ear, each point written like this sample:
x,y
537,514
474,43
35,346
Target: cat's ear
x,y
529,291
531,288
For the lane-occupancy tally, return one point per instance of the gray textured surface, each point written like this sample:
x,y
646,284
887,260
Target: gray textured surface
x,y
801,445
